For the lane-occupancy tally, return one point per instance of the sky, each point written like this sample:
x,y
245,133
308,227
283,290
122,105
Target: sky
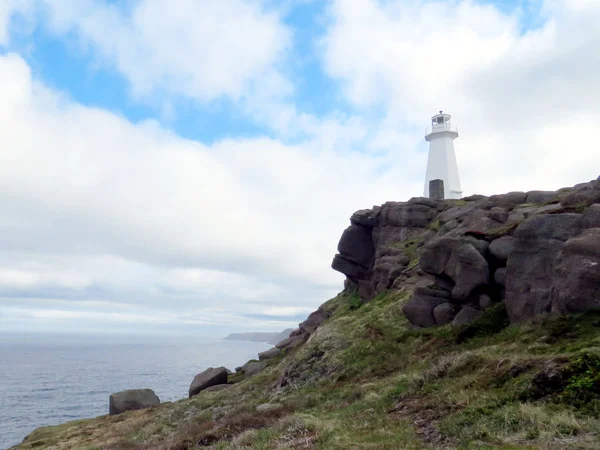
x,y
190,168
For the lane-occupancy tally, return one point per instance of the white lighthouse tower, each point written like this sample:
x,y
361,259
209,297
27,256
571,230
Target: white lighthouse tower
x,y
441,164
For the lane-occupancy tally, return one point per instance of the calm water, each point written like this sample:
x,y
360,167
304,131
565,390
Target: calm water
x,y
48,380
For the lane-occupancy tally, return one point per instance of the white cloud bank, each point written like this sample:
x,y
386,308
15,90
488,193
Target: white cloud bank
x,y
104,221
97,208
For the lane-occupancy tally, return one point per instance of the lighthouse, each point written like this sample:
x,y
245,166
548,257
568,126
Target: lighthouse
x,y
441,163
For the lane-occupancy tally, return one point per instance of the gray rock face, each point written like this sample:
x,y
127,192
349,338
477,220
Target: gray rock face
x,y
132,400
518,237
404,215
269,354
419,309
583,194
530,266
576,284
529,272
466,316
444,313
501,248
253,367
554,226
206,379
313,321
591,217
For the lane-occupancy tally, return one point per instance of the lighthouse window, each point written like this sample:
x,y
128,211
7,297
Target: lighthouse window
x,y
440,120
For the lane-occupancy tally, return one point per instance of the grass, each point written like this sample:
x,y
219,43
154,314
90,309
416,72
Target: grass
x,y
367,380
435,225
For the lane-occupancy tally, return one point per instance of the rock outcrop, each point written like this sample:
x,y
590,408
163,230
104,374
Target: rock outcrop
x,y
535,251
131,400
210,377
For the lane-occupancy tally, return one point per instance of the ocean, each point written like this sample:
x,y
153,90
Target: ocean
x,y
48,380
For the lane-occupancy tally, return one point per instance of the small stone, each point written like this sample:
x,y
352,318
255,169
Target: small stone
x,y
466,315
485,301
500,276
444,313
267,407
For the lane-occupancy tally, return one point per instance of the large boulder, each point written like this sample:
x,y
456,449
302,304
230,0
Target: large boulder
x,y
530,266
368,218
540,196
314,320
444,313
507,201
436,254
349,267
132,400
357,243
269,354
253,367
576,284
560,227
457,260
501,248
206,379
471,271
458,213
293,341
419,309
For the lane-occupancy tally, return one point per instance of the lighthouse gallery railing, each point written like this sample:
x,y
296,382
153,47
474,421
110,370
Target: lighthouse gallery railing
x,y
438,127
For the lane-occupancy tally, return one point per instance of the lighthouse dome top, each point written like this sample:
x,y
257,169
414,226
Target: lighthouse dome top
x,y
441,125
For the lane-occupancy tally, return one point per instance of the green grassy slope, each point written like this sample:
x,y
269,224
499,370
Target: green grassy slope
x,y
366,380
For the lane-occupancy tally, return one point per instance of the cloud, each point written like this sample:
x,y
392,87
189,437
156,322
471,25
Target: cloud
x,y
110,223
204,50
525,102
98,208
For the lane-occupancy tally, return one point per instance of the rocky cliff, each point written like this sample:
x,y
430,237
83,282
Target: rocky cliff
x,y
470,323
538,252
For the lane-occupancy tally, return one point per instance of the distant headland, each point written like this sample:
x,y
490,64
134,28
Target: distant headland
x,y
267,338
